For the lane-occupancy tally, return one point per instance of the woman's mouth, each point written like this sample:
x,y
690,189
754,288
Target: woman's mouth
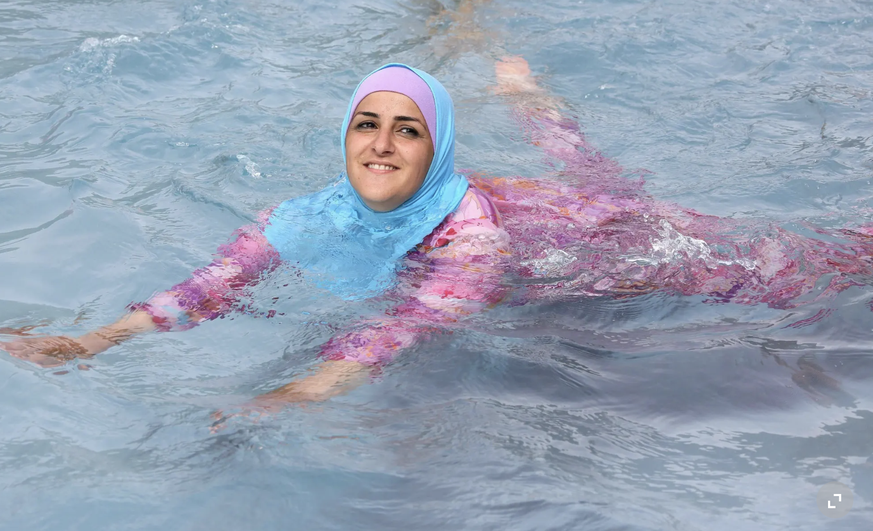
x,y
381,167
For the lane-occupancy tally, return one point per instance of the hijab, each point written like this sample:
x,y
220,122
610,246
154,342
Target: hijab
x,y
339,242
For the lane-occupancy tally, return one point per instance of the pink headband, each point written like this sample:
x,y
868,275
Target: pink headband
x,y
402,81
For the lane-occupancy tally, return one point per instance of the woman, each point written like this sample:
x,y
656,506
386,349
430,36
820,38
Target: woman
x,y
398,199
401,224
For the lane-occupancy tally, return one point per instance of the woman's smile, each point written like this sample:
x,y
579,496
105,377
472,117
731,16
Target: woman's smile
x,y
381,168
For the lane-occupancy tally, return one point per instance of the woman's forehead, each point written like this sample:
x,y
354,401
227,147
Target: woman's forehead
x,y
391,102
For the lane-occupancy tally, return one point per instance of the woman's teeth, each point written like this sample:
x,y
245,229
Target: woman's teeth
x,y
380,167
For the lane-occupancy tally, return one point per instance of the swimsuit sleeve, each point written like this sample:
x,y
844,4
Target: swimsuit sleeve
x,y
456,271
213,290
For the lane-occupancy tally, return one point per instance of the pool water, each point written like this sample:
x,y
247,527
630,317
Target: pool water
x,y
136,136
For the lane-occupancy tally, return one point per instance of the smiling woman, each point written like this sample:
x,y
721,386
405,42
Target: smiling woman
x,y
612,386
401,224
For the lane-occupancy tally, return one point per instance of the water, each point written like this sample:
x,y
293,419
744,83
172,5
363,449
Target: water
x,y
137,135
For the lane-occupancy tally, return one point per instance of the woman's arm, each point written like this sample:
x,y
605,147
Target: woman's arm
x,y
327,380
210,292
51,351
547,124
213,290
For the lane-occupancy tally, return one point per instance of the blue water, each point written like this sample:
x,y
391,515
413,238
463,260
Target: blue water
x,y
135,136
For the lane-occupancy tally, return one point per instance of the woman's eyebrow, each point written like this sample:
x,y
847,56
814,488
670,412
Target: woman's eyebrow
x,y
406,119
400,118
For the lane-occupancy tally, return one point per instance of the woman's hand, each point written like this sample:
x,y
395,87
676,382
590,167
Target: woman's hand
x,y
514,79
51,351
45,351
514,76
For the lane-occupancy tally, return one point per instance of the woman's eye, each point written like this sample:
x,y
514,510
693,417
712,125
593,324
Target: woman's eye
x,y
409,131
366,125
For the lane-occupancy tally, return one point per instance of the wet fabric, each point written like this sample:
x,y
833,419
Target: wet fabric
x,y
457,271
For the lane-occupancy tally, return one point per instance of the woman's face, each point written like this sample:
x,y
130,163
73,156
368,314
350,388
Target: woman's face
x,y
388,150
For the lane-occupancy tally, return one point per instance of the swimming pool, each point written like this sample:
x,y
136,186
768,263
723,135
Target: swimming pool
x,y
138,135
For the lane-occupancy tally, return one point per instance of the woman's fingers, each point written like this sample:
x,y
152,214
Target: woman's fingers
x,y
25,354
512,65
22,331
46,351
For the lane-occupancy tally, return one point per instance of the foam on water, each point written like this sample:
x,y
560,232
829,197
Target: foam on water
x,y
93,43
252,167
671,247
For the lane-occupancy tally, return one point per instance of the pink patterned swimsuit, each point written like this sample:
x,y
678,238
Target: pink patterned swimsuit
x,y
587,232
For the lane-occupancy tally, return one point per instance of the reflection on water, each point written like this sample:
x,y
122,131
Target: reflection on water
x,y
136,136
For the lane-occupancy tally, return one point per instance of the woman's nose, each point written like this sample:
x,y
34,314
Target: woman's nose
x,y
384,142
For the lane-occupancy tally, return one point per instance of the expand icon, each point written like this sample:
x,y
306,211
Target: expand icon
x,y
835,499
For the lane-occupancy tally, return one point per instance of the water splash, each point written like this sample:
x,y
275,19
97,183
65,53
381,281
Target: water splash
x,y
92,43
97,56
554,263
672,246
252,167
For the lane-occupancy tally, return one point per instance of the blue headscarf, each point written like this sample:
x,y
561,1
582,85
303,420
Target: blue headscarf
x,y
351,249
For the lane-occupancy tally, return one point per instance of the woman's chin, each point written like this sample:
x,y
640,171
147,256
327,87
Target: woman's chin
x,y
382,206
